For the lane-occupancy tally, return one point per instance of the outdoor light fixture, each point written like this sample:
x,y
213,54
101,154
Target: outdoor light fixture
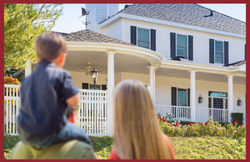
x,y
239,103
200,99
95,76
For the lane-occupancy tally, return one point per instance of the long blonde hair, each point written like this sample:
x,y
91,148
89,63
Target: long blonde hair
x,y
137,132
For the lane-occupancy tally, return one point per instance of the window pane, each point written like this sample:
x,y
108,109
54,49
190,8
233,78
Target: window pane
x,y
182,96
143,44
218,57
92,86
143,35
217,94
182,104
181,40
218,46
182,51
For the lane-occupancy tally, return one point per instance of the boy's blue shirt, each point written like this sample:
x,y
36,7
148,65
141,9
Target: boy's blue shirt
x,y
43,101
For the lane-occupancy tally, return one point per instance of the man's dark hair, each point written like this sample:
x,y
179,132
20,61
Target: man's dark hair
x,y
49,46
69,111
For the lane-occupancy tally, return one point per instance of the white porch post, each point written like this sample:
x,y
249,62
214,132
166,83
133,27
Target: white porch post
x,y
27,68
230,96
152,82
193,95
111,85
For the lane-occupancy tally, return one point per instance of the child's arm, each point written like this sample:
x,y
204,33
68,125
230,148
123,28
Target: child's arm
x,y
73,101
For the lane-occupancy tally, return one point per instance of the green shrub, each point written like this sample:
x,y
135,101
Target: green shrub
x,y
237,117
185,147
210,128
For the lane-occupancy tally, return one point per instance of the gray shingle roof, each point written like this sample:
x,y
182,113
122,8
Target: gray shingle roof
x,y
238,63
91,36
190,14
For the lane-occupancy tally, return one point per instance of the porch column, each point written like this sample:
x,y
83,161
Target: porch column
x,y
193,95
152,82
27,68
111,85
230,96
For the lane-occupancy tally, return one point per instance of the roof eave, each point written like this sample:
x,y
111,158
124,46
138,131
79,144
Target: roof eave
x,y
118,16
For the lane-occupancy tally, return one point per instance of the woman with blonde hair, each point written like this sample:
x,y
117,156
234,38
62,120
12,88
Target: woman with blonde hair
x,y
137,132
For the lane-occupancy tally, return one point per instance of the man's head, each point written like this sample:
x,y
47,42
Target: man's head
x,y
71,114
51,47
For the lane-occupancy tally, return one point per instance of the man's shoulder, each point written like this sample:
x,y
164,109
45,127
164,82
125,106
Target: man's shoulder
x,y
73,149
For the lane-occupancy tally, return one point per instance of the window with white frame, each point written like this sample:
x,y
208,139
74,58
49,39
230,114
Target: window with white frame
x,y
182,97
218,53
143,38
181,45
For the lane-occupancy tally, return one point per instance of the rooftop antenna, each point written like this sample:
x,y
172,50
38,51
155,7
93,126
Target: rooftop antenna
x,y
84,12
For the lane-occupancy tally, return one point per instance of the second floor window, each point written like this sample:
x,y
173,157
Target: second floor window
x,y
181,45
218,52
143,38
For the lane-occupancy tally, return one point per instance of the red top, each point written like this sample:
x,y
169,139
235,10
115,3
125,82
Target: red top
x,y
114,156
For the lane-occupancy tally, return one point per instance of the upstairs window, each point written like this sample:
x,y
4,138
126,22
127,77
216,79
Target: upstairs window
x,y
181,45
143,38
218,52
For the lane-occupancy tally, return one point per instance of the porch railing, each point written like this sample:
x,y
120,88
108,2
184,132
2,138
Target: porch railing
x,y
203,114
91,112
180,112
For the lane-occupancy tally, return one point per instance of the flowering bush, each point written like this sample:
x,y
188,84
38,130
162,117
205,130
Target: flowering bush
x,y
167,117
210,128
10,80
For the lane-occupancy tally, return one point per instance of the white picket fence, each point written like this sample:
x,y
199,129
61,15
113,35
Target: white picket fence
x,y
11,104
91,112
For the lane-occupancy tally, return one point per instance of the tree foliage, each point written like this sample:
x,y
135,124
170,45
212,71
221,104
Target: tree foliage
x,y
22,25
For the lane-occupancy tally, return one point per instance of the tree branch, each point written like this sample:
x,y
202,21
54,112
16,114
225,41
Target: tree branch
x,y
39,12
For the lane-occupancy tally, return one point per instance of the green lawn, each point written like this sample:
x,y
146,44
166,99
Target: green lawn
x,y
185,147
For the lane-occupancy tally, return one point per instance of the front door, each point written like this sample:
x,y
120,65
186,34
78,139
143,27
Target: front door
x,y
217,104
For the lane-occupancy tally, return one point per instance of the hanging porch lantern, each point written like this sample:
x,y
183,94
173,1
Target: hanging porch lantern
x,y
200,99
239,102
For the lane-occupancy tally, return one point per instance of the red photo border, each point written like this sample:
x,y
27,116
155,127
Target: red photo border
x,y
116,1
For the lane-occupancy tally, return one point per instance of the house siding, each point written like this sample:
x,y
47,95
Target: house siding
x,y
200,40
114,30
79,78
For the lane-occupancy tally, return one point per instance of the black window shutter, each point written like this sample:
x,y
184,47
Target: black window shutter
x,y
172,45
188,110
85,85
245,51
104,87
226,53
133,35
211,50
153,39
173,96
190,47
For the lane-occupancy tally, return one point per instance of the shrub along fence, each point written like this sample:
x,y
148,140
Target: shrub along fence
x,y
209,128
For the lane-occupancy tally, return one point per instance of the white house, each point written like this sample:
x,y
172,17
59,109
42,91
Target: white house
x,y
180,52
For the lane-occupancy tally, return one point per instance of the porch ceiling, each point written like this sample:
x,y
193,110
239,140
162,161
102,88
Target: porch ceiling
x,y
76,60
199,75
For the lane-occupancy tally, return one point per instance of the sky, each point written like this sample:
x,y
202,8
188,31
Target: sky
x,y
70,21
